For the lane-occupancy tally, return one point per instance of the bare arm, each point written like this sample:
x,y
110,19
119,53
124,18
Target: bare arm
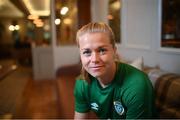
x,y
88,115
78,115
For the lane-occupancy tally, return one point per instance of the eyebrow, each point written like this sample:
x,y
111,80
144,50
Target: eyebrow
x,y
109,45
103,46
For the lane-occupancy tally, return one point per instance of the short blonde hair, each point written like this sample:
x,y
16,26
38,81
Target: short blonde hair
x,y
96,27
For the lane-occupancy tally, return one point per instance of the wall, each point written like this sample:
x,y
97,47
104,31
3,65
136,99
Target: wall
x,y
65,55
141,29
99,10
140,35
43,64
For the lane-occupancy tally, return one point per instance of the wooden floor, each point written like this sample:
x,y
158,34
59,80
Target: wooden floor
x,y
39,100
47,99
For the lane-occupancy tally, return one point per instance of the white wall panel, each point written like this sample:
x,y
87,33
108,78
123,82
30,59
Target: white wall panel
x,y
43,64
141,28
99,10
138,26
65,55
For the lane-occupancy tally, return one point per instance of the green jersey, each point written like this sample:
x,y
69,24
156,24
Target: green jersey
x,y
130,95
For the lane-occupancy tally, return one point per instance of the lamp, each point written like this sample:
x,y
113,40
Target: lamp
x,y
14,27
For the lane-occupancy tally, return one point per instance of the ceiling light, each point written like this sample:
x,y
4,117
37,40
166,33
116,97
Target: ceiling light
x,y
32,17
36,21
16,27
67,21
40,24
116,5
11,27
110,17
57,21
64,10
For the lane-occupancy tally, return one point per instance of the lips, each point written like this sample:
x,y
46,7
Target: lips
x,y
96,68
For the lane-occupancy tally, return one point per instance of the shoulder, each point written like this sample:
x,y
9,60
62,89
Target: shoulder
x,y
129,71
81,84
133,78
128,68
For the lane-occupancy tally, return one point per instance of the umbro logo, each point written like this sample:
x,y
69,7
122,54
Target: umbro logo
x,y
94,106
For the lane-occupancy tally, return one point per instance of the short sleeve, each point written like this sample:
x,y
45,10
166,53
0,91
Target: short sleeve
x,y
139,99
81,96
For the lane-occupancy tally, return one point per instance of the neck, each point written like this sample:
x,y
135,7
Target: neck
x,y
108,78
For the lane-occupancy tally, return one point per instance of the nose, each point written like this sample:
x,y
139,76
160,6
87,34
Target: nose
x,y
95,57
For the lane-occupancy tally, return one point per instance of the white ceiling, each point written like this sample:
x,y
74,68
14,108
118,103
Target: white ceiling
x,y
35,7
38,7
7,9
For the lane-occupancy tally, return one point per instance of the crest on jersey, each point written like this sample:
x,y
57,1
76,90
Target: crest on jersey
x,y
119,107
94,106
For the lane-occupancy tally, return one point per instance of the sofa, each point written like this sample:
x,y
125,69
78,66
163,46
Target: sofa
x,y
167,91
166,86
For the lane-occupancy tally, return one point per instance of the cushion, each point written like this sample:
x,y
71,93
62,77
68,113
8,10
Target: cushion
x,y
154,74
137,63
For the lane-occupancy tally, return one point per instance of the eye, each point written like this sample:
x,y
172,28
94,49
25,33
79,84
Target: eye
x,y
102,51
86,53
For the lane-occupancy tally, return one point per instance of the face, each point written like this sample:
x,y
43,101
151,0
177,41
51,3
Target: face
x,y
97,54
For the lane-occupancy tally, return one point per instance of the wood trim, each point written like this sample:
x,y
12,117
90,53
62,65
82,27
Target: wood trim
x,y
84,12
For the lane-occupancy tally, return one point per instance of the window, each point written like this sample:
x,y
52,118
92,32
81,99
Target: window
x,y
170,24
66,21
114,18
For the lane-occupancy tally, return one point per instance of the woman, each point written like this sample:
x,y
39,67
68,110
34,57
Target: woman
x,y
107,87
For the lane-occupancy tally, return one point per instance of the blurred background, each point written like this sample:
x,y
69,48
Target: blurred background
x,y
39,59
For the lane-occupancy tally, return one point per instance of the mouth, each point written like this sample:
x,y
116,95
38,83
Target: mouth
x,y
96,68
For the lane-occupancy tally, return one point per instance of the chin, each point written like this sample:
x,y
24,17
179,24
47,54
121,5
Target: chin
x,y
97,74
